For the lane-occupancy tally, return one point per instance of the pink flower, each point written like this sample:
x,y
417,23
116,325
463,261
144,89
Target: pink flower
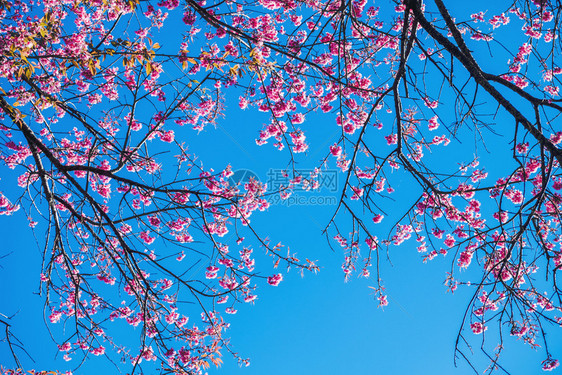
x,y
97,351
465,259
336,150
275,279
501,216
552,90
522,148
211,272
125,228
515,196
556,138
243,103
547,16
167,136
450,241
297,118
226,262
550,364
154,221
371,242
430,103
184,237
520,82
106,279
478,328
223,299
477,17
519,331
146,238
172,317
391,139
357,193
148,354
433,123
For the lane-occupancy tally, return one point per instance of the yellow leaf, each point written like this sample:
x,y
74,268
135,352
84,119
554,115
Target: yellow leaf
x,y
234,70
93,70
216,361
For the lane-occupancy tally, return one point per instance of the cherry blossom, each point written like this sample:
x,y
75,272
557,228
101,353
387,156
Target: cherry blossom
x,y
99,112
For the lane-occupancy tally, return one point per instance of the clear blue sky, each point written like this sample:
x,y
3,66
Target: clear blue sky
x,y
315,324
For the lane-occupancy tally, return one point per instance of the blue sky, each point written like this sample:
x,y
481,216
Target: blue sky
x,y
310,324
315,324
